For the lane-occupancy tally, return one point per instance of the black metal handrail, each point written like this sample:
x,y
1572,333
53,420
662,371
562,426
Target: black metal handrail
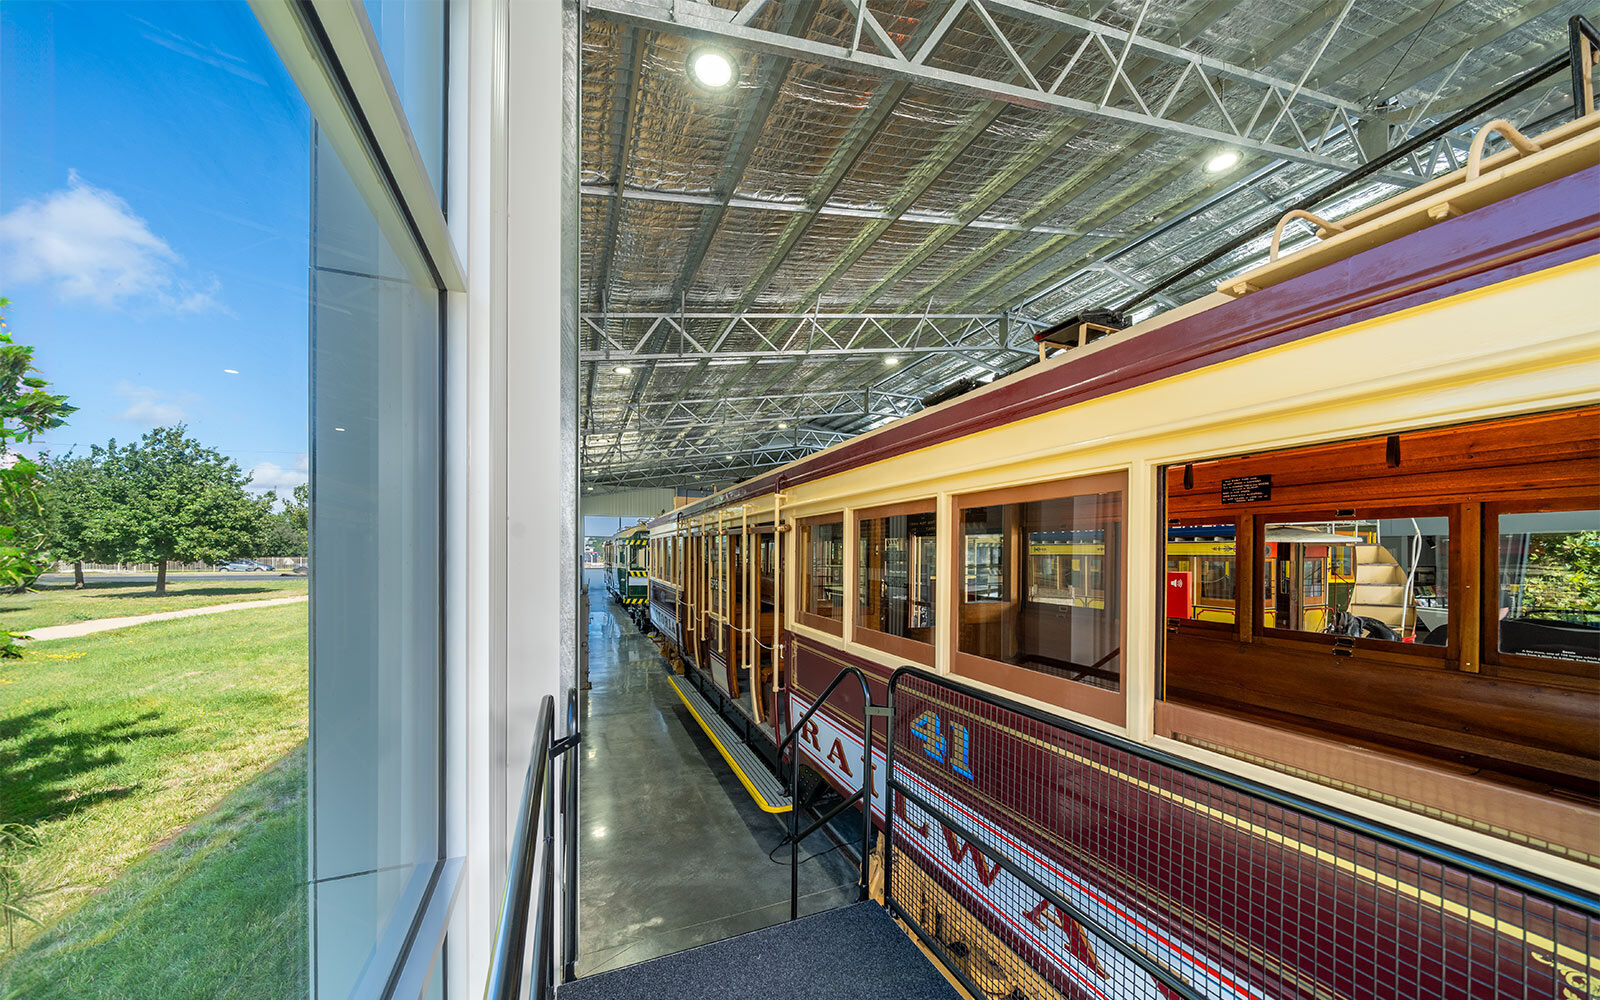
x,y
1529,885
864,795
506,971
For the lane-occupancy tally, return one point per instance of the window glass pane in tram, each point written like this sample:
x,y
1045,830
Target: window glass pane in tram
x,y
714,559
1202,577
895,579
823,543
1378,578
1550,584
1043,586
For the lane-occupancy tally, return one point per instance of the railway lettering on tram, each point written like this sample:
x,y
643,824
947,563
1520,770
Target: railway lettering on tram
x,y
1064,951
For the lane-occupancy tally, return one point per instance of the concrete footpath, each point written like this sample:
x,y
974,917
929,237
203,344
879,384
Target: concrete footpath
x,y
76,629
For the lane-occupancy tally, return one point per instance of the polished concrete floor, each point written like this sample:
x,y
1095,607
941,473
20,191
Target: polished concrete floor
x,y
674,854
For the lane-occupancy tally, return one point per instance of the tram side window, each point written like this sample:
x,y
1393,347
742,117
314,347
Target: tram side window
x,y
1379,577
1202,576
895,577
1043,586
1549,587
822,544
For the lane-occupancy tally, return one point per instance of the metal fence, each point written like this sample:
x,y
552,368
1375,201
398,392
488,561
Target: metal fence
x,y
1044,859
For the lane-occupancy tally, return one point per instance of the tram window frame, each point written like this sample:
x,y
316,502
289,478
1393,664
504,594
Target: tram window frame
x,y
1413,654
902,646
1108,705
1520,666
804,615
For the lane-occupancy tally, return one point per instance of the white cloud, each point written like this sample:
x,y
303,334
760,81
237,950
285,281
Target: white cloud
x,y
90,245
150,407
266,476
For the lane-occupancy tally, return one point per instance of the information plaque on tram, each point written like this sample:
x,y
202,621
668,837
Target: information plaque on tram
x,y
1247,489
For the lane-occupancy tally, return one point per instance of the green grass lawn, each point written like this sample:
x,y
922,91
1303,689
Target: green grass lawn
x,y
58,604
220,912
113,744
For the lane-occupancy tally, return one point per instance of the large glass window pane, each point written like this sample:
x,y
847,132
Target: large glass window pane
x,y
822,558
376,410
412,35
895,575
1550,584
154,212
1043,586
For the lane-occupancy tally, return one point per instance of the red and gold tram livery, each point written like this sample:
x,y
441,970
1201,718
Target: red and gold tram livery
x,y
1211,623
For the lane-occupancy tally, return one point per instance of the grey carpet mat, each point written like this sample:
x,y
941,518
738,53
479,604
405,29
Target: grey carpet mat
x,y
850,953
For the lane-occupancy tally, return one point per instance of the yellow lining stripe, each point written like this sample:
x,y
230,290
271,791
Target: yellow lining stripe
x,y
738,772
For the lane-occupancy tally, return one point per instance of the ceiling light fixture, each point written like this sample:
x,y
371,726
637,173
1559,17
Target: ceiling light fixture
x,y
891,361
623,370
782,425
1222,161
712,68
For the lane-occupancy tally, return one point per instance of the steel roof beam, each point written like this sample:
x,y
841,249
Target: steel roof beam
x,y
775,71
836,211
699,19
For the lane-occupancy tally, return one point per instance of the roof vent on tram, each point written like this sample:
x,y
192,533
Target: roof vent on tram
x,y
1079,331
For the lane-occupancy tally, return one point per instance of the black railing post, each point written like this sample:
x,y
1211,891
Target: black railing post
x,y
888,795
794,831
796,727
569,936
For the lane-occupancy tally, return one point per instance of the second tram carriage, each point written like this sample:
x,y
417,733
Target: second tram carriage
x,y
1213,622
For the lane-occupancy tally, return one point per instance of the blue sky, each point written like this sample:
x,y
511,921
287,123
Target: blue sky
x,y
153,222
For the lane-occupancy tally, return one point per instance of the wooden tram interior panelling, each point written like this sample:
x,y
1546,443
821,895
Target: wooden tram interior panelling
x,y
1461,706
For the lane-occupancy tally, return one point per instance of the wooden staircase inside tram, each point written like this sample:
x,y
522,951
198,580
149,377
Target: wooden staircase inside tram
x,y
1380,587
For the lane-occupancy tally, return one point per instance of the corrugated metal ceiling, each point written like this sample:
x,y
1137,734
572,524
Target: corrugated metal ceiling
x,y
825,186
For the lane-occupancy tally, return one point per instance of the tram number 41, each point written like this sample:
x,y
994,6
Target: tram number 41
x,y
954,749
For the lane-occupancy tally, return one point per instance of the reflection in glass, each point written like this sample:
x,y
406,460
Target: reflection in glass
x,y
412,36
1042,586
1550,584
823,545
1202,582
896,575
375,675
1377,578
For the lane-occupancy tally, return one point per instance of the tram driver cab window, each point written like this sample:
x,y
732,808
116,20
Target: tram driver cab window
x,y
1041,588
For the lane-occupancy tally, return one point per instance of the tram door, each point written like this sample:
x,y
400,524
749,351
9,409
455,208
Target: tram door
x,y
693,580
734,579
768,628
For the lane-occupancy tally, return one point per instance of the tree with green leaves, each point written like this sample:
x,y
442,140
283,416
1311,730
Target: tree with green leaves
x,y
73,495
284,533
26,410
169,497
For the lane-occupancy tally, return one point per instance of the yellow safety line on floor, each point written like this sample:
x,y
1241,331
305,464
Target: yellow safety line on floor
x,y
737,770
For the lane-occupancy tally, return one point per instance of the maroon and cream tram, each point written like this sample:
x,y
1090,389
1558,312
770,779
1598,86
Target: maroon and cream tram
x,y
1369,769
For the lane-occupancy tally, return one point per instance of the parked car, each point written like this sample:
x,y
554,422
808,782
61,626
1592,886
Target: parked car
x,y
241,566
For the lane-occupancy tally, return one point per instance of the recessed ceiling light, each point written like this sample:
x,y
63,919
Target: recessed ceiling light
x,y
712,69
1222,161
891,361
230,371
623,370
